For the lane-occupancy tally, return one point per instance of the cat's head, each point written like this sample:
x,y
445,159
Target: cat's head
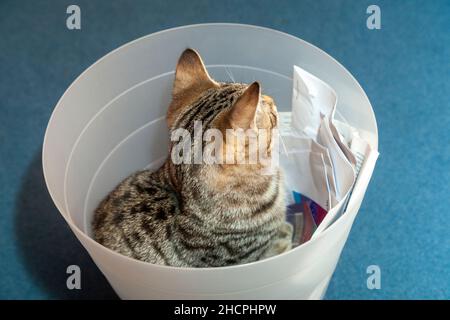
x,y
227,107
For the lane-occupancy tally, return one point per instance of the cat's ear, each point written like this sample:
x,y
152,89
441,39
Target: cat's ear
x,y
242,114
191,80
191,73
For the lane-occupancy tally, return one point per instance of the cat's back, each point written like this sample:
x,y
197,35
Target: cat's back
x,y
137,217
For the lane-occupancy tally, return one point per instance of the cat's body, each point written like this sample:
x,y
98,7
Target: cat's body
x,y
199,215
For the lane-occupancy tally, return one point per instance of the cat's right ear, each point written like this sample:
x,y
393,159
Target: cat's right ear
x,y
242,114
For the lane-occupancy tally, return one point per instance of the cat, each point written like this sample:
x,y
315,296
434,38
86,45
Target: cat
x,y
201,215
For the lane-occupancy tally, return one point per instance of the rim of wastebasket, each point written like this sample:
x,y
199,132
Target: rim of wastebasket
x,y
68,219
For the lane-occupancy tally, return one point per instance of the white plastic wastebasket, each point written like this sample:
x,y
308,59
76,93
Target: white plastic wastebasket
x,y
110,123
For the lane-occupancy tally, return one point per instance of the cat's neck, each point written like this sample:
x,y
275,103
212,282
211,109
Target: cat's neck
x,y
222,180
225,199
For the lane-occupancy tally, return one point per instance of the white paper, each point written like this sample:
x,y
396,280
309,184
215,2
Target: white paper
x,y
342,143
313,107
361,150
311,98
343,170
308,170
321,156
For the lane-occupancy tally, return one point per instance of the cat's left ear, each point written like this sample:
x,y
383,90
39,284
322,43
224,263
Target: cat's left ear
x,y
242,114
191,74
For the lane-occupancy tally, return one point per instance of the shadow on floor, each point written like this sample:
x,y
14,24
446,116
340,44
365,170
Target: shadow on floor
x,y
48,246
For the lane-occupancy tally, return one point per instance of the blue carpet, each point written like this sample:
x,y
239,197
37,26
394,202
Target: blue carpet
x,y
403,225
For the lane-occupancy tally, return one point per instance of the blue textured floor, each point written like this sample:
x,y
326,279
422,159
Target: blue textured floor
x,y
404,223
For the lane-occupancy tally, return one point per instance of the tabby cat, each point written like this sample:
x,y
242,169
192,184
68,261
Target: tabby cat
x,y
201,215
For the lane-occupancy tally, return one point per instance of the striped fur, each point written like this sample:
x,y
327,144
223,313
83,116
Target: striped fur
x,y
198,215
